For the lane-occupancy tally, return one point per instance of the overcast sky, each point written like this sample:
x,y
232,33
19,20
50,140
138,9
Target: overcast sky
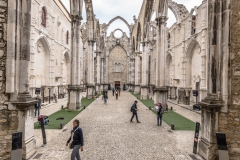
x,y
105,10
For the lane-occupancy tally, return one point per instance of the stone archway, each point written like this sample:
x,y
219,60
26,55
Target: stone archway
x,y
117,65
116,18
40,66
193,63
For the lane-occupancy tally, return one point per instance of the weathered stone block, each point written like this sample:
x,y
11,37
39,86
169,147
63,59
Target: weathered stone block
x,y
3,120
2,44
5,32
2,10
4,132
2,19
1,53
3,3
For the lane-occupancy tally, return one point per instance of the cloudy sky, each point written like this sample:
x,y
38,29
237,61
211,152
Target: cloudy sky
x,y
105,10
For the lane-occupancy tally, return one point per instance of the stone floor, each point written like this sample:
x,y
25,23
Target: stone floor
x,y
109,135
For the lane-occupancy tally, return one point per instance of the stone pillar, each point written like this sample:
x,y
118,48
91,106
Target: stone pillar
x,y
90,70
220,108
106,77
25,106
74,88
24,101
144,85
211,107
160,92
98,85
137,88
133,73
102,74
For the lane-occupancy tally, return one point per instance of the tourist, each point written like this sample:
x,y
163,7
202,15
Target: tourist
x,y
134,110
76,139
119,90
160,112
105,96
38,105
55,97
113,91
45,119
116,93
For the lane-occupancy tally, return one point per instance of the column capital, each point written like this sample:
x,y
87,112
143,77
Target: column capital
x,y
98,53
161,20
91,42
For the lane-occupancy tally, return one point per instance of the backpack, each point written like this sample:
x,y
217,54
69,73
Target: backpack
x,y
132,108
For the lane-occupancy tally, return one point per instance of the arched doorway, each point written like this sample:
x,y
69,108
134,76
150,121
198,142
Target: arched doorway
x,y
117,64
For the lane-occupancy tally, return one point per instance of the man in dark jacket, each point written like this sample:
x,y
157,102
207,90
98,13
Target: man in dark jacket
x,y
38,105
134,110
77,140
160,112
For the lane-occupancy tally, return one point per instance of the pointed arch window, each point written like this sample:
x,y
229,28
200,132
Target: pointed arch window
x,y
67,37
44,17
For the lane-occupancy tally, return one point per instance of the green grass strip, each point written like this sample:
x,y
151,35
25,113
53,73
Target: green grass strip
x,y
68,116
180,122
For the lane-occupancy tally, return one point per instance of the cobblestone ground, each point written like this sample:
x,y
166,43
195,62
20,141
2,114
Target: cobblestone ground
x,y
109,135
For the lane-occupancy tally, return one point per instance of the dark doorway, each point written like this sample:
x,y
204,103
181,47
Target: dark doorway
x,y
117,84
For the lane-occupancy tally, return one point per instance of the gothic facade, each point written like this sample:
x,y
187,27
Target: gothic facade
x,y
50,48
46,47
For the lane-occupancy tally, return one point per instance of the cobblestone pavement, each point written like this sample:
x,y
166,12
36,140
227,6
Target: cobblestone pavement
x,y
109,135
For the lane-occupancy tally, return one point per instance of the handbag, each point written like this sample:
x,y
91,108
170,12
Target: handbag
x,y
71,145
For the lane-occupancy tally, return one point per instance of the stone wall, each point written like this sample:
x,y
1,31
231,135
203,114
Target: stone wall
x,y
230,123
8,119
8,125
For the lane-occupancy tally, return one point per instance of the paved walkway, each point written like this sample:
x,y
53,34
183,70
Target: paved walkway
x,y
110,136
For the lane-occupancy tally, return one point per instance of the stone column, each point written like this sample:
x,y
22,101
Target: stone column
x,y
130,75
102,74
90,70
144,85
98,85
218,112
137,88
74,88
160,92
133,73
25,103
106,77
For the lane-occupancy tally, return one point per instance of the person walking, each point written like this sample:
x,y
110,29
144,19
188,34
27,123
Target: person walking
x,y
119,90
105,96
116,93
160,112
38,106
113,91
134,110
76,139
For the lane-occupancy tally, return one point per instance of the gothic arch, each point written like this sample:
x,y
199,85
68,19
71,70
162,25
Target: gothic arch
x,y
190,52
179,10
41,9
46,58
45,42
119,17
147,17
110,50
192,42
